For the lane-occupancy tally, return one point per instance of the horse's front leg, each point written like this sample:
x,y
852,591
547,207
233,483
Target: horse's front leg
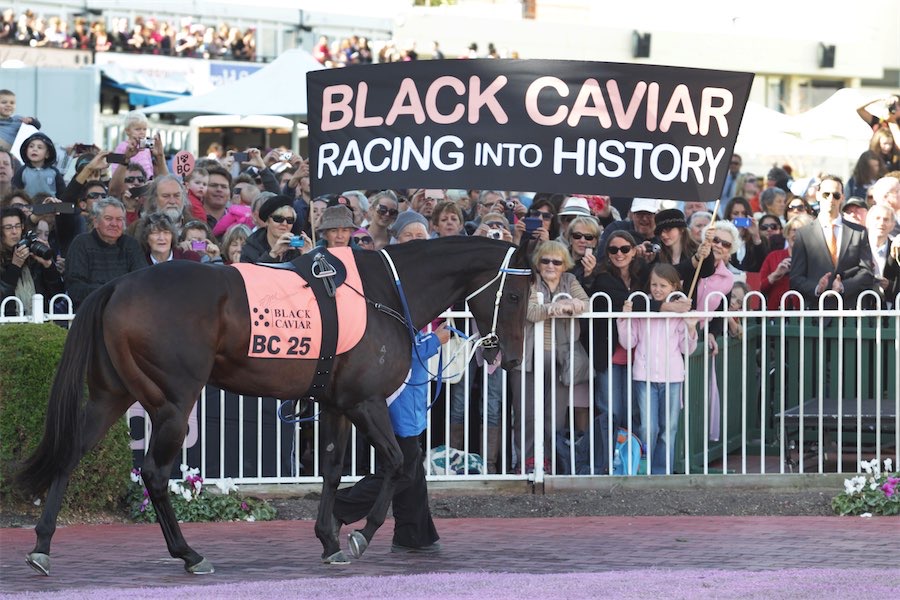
x,y
334,430
375,420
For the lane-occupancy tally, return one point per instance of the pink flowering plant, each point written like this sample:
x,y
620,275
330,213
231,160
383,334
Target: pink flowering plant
x,y
194,503
874,492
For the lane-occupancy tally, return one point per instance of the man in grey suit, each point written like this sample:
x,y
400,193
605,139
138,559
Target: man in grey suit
x,y
830,253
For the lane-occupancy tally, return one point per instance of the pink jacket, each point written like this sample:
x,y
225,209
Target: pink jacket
x,y
660,350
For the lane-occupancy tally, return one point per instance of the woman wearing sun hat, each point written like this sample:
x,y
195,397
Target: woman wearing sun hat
x,y
336,227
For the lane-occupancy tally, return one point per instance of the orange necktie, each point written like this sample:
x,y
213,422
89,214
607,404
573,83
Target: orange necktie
x,y
833,246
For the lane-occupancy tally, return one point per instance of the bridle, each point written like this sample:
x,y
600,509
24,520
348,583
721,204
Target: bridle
x,y
489,340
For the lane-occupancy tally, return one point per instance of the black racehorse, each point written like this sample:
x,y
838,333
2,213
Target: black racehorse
x,y
158,335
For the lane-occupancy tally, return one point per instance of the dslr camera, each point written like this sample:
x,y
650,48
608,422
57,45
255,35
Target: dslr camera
x,y
35,246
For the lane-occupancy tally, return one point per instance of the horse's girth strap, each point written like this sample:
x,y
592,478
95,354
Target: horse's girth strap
x,y
324,289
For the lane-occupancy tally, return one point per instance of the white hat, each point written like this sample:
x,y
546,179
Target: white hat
x,y
650,205
575,207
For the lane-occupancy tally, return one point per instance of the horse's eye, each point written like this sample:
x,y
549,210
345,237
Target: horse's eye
x,y
514,298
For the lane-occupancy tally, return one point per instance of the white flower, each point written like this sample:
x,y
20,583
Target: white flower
x,y
184,468
186,494
174,487
866,515
251,518
197,485
873,485
859,482
135,477
192,472
888,465
849,486
226,486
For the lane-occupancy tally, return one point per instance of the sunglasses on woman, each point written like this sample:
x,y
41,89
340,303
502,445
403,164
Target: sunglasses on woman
x,y
583,236
279,219
770,227
721,242
796,207
94,195
384,210
552,261
616,249
363,239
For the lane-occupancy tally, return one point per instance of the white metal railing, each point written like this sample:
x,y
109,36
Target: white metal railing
x,y
800,391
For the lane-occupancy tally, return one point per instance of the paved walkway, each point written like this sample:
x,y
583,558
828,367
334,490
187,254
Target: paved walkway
x,y
132,556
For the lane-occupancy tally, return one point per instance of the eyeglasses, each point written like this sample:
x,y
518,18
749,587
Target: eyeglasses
x,y
279,219
136,179
13,227
552,261
770,227
721,242
94,195
545,215
363,239
384,210
616,249
583,236
835,195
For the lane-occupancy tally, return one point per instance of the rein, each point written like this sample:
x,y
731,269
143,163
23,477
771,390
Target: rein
x,y
490,340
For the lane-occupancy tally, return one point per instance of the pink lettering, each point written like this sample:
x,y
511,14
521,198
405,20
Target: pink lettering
x,y
361,119
431,100
680,109
624,118
531,101
708,111
406,103
477,99
590,90
342,107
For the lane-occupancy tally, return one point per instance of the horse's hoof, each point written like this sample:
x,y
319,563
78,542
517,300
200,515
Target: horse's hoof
x,y
40,562
204,567
358,544
338,558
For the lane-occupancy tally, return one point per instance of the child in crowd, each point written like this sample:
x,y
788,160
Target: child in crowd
x,y
38,174
11,122
136,126
196,184
659,349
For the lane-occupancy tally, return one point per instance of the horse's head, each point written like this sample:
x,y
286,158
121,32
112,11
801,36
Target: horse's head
x,y
504,323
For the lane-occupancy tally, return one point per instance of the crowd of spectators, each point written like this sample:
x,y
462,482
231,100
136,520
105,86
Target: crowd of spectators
x,y
145,35
187,38
774,233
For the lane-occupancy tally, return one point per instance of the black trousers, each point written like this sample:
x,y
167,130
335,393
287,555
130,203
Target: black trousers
x,y
413,525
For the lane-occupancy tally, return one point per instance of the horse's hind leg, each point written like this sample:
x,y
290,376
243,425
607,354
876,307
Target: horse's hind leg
x,y
169,429
99,414
334,430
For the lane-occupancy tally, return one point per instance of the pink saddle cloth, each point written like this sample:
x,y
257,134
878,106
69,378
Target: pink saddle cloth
x,y
284,316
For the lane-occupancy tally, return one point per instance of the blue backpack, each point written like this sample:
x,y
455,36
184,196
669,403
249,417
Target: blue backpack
x,y
627,445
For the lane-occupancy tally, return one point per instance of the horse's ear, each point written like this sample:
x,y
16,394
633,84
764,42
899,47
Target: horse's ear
x,y
520,256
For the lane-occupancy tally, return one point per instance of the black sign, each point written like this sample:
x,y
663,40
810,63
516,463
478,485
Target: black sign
x,y
537,125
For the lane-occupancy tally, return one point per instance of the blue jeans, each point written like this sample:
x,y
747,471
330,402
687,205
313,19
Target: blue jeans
x,y
494,397
658,426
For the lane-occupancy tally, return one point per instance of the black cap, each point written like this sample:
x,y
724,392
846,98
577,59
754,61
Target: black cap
x,y
273,204
854,201
668,218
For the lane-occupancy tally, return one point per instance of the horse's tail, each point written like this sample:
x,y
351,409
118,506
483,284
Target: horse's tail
x,y
62,429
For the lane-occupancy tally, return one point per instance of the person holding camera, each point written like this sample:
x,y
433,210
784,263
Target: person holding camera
x,y
275,241
136,145
26,264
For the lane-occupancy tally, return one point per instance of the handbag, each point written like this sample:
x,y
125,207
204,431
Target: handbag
x,y
454,355
580,371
